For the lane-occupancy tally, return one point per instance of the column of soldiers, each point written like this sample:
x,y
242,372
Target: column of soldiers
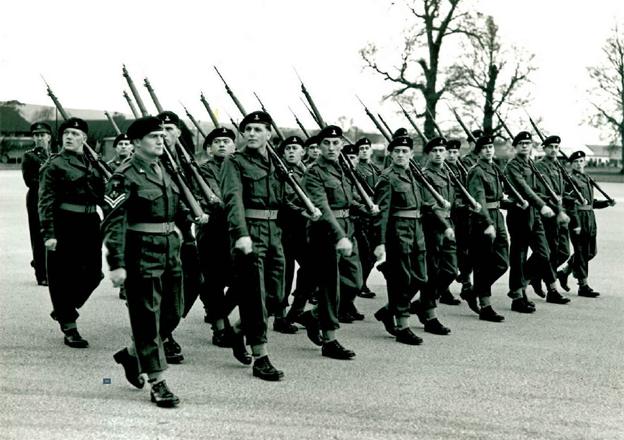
x,y
243,253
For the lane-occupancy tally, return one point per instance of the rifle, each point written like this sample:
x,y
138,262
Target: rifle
x,y
305,104
134,91
435,124
194,121
274,157
540,176
512,189
385,124
176,172
113,123
91,155
133,108
375,121
361,186
299,124
275,127
213,117
460,164
565,173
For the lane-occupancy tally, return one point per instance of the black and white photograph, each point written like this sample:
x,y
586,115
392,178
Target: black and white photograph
x,y
272,219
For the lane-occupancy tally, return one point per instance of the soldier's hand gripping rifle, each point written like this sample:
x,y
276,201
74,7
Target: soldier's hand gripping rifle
x,y
90,153
551,193
176,173
275,159
512,190
275,127
213,117
189,160
564,172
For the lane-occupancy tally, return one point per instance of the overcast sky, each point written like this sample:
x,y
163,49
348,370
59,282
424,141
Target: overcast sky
x,y
80,46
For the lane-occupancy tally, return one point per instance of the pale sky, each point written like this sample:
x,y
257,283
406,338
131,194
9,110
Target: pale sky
x,y
80,46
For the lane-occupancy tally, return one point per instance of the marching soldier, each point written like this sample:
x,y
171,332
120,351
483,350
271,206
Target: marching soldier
x,y
526,230
398,234
460,215
472,157
556,231
123,150
213,242
31,164
143,214
363,224
583,229
70,189
252,194
331,244
489,244
312,151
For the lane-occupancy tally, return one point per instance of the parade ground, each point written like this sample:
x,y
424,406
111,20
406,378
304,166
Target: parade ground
x,y
555,374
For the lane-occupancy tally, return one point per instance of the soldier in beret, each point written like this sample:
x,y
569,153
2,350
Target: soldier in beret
x,y
555,228
490,247
526,230
369,172
143,218
214,245
253,193
583,228
312,151
123,150
460,215
331,243
400,132
399,237
472,157
69,192
350,152
31,164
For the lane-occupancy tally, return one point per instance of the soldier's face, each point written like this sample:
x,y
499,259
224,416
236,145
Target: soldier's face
x,y
552,150
172,134
73,139
452,155
314,151
124,148
222,147
293,153
487,152
578,164
437,155
152,145
42,140
256,135
330,148
523,148
401,156
365,152
353,158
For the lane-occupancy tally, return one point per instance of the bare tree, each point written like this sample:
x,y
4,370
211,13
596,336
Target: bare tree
x,y
607,94
492,76
419,71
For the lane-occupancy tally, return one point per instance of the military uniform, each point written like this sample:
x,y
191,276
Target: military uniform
x,y
31,164
470,159
70,189
116,162
460,216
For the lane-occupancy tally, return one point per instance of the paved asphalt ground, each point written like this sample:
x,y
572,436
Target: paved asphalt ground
x,y
557,374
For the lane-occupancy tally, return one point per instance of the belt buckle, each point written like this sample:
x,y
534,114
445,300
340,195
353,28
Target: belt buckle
x,y
169,227
89,209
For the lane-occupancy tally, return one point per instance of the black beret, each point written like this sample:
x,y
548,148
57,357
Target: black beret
x,y
329,132
168,117
349,149
258,117
522,136
435,142
476,134
401,141
143,126
554,139
483,141
220,132
76,123
312,140
362,141
453,144
292,140
120,137
400,132
40,127
576,155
